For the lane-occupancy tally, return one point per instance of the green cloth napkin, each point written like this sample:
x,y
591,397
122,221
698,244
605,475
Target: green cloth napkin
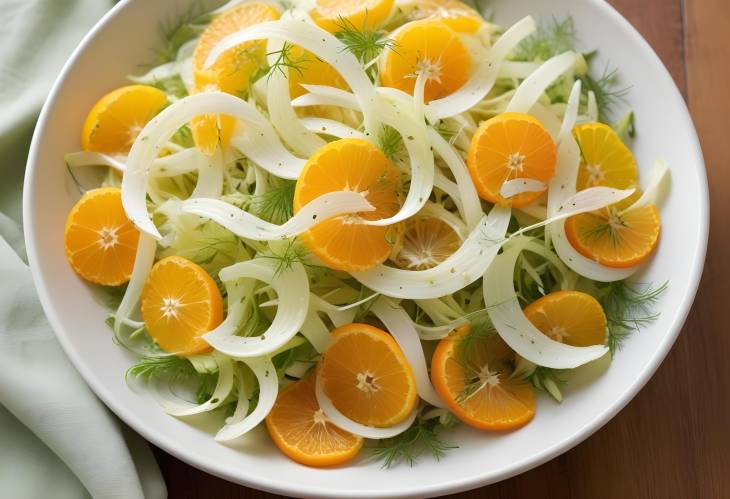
x,y
57,439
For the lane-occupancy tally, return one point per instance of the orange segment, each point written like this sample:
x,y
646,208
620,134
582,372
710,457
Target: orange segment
x,y
426,46
477,385
116,119
311,70
180,303
508,146
330,15
426,243
300,429
100,241
606,159
232,72
570,317
355,165
615,239
455,14
367,377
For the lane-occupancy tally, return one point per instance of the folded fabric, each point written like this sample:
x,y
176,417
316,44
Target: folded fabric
x,y
40,387
58,440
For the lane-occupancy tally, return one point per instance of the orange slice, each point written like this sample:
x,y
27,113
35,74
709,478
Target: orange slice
x,y
570,317
508,146
300,429
477,385
356,165
455,14
116,119
613,238
311,70
428,46
367,377
605,158
180,303
100,241
232,72
427,241
363,15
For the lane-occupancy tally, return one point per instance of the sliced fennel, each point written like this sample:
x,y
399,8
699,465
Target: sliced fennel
x,y
535,85
514,327
347,424
249,226
292,288
147,146
265,373
176,406
483,78
396,321
465,266
317,41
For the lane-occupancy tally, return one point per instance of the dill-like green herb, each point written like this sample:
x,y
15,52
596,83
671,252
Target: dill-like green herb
x,y
628,309
170,366
421,437
176,32
364,44
550,39
390,141
480,329
277,204
606,90
292,252
285,62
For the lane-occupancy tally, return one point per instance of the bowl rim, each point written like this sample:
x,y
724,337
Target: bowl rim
x,y
240,476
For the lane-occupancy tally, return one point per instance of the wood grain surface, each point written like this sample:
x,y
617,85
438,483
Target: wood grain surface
x,y
682,450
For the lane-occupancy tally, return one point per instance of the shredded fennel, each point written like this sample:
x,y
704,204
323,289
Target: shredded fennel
x,y
232,212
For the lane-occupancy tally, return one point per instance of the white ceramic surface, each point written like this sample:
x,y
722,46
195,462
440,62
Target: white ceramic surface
x,y
125,38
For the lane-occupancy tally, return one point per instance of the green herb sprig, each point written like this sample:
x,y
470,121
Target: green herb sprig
x,y
423,437
628,309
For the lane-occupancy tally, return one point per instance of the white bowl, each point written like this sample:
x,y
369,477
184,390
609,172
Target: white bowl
x,y
116,47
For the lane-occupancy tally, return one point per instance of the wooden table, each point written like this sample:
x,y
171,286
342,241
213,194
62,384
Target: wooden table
x,y
673,439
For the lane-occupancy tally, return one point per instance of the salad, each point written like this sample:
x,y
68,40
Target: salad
x,y
364,222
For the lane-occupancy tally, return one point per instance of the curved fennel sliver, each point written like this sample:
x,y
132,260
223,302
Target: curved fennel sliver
x,y
159,130
281,113
143,261
210,177
179,163
514,327
517,186
393,108
243,392
470,203
400,115
315,331
265,373
175,406
399,324
530,90
249,226
292,288
483,78
330,127
316,40
465,266
347,424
